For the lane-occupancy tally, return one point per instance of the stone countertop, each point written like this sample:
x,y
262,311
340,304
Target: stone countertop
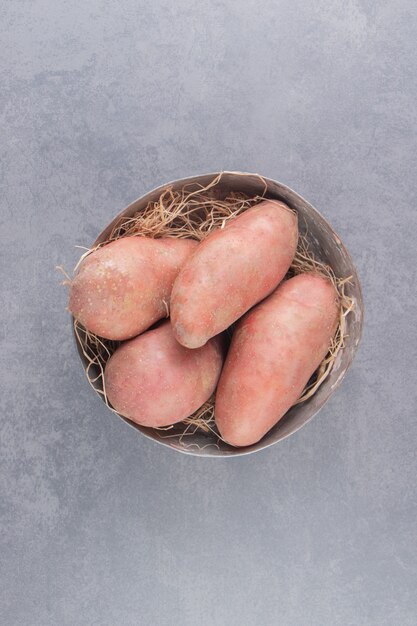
x,y
101,101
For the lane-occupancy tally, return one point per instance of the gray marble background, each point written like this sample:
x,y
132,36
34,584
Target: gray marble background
x,y
99,102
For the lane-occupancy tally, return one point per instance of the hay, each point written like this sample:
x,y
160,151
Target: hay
x,y
193,212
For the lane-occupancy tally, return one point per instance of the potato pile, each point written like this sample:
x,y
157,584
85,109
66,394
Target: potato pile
x,y
163,371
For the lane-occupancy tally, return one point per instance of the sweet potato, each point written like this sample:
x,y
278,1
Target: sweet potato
x,y
124,287
231,270
155,381
275,349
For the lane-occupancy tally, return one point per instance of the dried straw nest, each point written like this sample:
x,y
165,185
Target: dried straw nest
x,y
194,214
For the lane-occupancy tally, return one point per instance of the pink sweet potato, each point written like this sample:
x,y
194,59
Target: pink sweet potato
x,y
155,381
275,349
231,270
124,287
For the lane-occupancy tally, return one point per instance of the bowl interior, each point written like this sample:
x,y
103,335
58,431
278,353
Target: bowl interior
x,y
328,248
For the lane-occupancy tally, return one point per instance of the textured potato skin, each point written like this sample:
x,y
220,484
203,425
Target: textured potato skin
x,y
231,270
124,287
154,381
275,349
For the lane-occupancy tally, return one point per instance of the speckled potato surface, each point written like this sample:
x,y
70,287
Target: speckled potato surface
x,y
275,349
124,287
155,381
231,270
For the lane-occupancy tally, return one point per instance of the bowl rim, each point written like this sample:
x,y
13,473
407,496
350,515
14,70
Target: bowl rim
x,y
257,447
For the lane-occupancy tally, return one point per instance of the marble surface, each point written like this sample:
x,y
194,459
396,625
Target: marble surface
x,y
99,102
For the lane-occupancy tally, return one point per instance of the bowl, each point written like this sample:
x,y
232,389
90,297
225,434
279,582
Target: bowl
x,y
327,248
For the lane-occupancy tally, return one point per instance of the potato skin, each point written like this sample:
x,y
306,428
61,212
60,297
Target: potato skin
x,y
154,381
275,349
121,289
231,270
